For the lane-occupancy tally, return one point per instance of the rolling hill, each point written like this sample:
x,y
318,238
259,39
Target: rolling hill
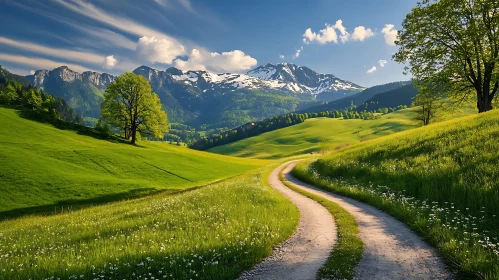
x,y
316,134
441,180
44,167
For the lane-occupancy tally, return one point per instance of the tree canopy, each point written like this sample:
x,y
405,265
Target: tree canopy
x,y
131,106
453,46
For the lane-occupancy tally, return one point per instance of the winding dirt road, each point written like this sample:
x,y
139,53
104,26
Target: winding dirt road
x,y
391,250
301,256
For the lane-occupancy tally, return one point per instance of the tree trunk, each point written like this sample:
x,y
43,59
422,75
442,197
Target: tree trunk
x,y
484,103
134,135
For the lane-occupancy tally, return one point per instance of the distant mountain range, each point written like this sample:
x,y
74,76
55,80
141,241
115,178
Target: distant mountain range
x,y
202,98
369,96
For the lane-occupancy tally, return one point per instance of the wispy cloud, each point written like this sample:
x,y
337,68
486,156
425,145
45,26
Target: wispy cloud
x,y
41,63
371,70
54,52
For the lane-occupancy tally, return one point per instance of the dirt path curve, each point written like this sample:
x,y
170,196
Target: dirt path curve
x,y
391,250
301,256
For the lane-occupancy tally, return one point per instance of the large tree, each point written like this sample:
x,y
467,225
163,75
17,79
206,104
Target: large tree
x,y
453,45
131,106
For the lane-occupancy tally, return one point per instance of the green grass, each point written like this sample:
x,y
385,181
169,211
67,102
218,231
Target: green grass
x,y
214,232
44,169
442,180
317,134
348,249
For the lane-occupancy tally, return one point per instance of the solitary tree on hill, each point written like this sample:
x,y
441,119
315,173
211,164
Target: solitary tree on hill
x,y
454,45
131,106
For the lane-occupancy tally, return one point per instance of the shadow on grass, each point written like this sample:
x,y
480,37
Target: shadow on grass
x,y
62,125
69,205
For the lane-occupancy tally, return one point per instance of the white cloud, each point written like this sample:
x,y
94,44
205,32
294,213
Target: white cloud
x,y
390,34
31,72
41,63
282,56
343,31
382,62
297,53
325,35
110,62
233,61
159,50
54,52
336,32
360,33
371,70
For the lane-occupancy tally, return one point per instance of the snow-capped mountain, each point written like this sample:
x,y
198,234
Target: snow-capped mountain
x,y
187,95
302,79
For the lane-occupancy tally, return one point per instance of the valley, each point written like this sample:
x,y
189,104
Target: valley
x,y
186,139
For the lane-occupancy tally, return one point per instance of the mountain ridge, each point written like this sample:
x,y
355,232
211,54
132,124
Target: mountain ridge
x,y
218,98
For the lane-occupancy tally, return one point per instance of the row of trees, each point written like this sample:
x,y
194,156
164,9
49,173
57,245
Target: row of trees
x,y
256,128
32,98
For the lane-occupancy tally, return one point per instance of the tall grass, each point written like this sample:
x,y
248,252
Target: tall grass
x,y
214,232
442,180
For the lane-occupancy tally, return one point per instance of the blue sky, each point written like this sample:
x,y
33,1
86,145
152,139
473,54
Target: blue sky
x,y
345,38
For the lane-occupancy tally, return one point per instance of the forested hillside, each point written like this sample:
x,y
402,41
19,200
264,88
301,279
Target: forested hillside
x,y
16,91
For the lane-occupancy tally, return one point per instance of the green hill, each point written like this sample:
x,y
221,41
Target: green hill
x,y
442,180
44,168
317,134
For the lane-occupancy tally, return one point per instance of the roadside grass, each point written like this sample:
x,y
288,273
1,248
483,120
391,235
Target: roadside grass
x,y
46,170
315,135
348,249
441,180
213,232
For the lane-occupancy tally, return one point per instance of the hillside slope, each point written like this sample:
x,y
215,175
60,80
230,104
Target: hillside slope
x,y
392,98
441,179
316,134
46,166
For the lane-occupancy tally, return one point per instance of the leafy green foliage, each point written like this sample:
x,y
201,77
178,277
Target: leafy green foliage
x,y
46,106
453,45
131,106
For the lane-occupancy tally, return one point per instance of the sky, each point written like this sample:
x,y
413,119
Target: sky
x,y
352,39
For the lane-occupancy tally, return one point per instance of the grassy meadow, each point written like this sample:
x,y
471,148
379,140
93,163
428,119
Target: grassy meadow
x,y
317,134
442,180
45,169
214,232
183,231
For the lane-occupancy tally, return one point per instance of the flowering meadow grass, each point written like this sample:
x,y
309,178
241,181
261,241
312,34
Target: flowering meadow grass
x,y
442,180
213,232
